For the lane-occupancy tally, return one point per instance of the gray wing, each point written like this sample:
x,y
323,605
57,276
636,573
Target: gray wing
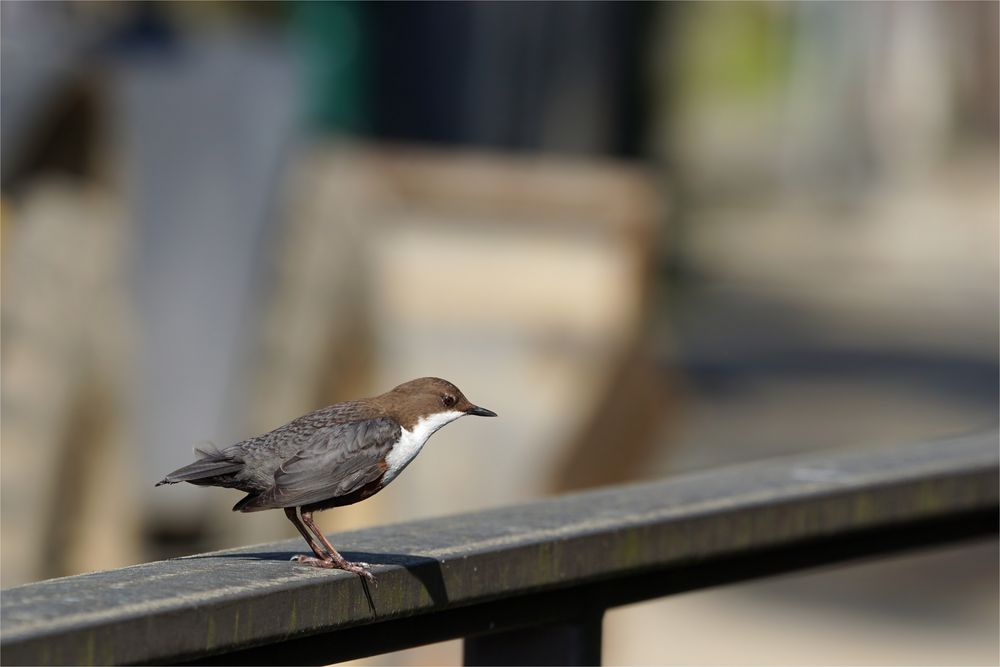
x,y
337,462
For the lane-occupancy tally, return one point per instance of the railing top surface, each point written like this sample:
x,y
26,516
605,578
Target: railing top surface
x,y
225,600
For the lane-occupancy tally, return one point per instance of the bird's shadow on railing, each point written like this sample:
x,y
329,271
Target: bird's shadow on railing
x,y
424,569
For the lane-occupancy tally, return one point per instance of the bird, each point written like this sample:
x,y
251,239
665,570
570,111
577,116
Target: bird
x,y
331,457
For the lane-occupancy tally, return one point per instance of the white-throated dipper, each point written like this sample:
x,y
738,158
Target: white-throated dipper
x,y
331,457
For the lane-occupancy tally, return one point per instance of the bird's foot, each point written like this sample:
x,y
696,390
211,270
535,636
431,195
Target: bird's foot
x,y
360,569
310,560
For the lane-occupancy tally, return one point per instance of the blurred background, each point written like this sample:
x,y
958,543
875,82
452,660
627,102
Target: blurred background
x,y
653,237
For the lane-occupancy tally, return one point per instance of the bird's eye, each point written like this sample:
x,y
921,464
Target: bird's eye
x,y
448,400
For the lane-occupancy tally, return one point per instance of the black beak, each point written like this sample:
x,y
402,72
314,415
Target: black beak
x,y
480,412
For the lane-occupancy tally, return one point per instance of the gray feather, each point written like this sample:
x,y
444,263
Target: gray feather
x,y
336,462
206,470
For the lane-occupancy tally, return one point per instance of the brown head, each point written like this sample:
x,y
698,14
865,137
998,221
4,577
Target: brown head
x,y
418,399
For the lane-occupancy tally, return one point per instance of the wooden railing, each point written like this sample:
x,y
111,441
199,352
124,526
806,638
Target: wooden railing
x,y
523,585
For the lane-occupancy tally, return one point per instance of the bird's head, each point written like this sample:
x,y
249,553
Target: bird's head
x,y
430,399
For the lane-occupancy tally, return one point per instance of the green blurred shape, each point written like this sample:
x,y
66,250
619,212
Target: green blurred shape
x,y
333,42
734,51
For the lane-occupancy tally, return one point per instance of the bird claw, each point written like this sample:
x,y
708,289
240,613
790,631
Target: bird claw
x,y
360,569
311,560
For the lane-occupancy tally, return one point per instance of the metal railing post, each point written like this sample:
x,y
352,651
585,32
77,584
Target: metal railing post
x,y
571,642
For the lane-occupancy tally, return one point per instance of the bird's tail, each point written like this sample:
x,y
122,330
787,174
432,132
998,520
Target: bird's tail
x,y
211,464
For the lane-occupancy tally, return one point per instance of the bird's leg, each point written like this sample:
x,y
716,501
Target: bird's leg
x,y
293,515
338,562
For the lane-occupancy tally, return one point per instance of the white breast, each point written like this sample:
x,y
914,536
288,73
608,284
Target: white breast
x,y
411,442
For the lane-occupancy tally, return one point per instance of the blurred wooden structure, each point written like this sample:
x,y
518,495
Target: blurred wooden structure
x,y
524,279
68,492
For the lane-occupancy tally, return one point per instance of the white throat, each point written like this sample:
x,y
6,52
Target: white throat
x,y
412,441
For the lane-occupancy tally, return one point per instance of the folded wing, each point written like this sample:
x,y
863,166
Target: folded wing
x,y
337,461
